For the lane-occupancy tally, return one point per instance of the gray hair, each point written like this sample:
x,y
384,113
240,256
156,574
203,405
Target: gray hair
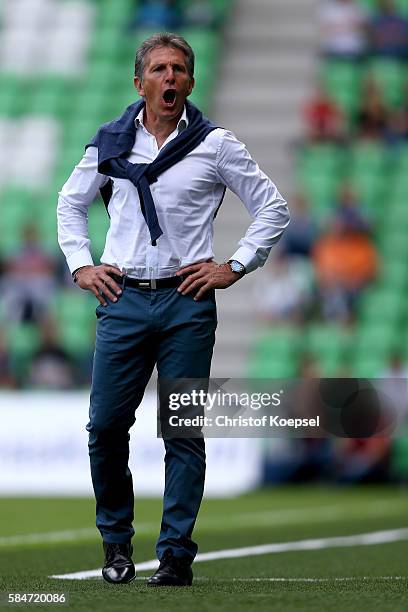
x,y
163,39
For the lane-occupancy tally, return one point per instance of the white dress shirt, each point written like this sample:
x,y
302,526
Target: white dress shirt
x,y
186,197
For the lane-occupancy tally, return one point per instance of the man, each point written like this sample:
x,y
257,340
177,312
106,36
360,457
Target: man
x,y
163,170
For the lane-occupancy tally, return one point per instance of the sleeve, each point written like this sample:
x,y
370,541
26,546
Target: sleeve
x,y
269,211
74,199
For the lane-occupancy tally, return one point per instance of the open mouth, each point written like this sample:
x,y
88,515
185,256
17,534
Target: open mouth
x,y
169,97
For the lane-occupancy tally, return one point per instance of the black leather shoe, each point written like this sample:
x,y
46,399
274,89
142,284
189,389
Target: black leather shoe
x,y
173,571
119,567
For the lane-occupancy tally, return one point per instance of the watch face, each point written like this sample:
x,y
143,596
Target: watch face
x,y
236,266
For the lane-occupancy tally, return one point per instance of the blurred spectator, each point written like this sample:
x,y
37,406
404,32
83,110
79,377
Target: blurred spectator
x,y
389,32
372,114
345,263
287,295
51,367
363,459
348,210
308,369
7,379
301,232
323,119
160,14
200,13
397,128
396,368
343,29
28,282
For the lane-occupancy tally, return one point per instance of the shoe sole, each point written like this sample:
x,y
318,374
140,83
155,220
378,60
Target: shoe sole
x,y
119,581
158,584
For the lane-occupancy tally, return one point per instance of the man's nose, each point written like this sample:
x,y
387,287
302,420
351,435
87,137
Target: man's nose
x,y
170,77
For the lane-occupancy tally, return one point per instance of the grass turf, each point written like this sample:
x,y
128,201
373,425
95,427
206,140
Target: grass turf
x,y
376,576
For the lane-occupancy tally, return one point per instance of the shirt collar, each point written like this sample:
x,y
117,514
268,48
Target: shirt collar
x,y
181,125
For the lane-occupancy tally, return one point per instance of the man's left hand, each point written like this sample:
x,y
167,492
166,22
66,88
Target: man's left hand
x,y
207,275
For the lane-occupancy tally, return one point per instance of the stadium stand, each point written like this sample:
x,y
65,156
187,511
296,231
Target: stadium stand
x,y
55,91
377,168
51,102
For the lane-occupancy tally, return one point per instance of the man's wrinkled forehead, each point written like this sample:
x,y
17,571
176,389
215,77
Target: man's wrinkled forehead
x,y
163,54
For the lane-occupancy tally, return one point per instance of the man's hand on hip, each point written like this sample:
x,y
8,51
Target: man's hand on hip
x,y
206,275
97,280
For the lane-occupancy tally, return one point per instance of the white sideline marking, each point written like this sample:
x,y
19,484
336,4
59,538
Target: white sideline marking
x,y
68,535
363,539
333,579
50,536
272,518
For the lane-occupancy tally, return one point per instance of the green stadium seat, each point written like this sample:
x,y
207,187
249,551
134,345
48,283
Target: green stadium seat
x,y
399,184
393,274
74,311
395,246
117,13
201,99
319,169
80,131
275,354
141,34
337,73
98,225
371,6
273,368
107,44
381,305
22,341
397,208
50,96
223,7
328,345
342,80
368,156
368,366
327,340
12,95
369,188
76,340
277,341
391,77
320,191
319,159
17,210
399,458
376,338
48,230
73,303
205,44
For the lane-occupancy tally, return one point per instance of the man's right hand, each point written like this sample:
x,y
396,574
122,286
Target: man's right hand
x,y
97,279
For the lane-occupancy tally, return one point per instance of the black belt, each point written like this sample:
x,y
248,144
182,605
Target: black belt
x,y
148,283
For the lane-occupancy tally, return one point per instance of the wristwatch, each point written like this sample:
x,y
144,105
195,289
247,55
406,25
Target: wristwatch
x,y
237,266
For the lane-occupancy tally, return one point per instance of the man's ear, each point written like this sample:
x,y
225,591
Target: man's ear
x,y
138,85
192,83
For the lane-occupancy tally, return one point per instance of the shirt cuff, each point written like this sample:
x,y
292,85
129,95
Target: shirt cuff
x,y
79,259
247,258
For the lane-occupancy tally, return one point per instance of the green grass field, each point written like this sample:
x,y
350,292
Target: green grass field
x,y
44,537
